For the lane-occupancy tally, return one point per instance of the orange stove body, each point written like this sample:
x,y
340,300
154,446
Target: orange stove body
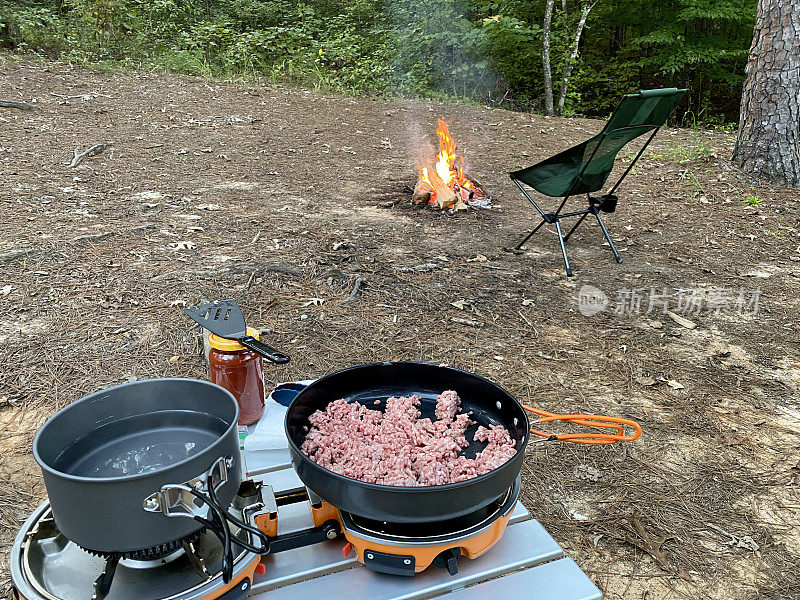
x,y
471,547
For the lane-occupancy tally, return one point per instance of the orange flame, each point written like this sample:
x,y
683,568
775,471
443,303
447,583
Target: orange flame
x,y
448,168
447,154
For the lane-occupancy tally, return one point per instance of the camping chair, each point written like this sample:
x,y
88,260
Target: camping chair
x,y
585,168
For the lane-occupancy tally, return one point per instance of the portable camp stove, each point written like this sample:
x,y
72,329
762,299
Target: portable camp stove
x,y
409,548
45,565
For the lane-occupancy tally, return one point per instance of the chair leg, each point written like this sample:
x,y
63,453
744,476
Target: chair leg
x,y
563,249
527,237
574,227
605,233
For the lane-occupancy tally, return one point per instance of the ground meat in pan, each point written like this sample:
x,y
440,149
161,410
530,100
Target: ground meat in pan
x,y
396,447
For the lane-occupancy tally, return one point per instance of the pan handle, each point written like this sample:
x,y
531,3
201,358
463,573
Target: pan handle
x,y
268,352
586,437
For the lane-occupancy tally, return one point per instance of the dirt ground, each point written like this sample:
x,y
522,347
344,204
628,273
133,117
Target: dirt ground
x,y
285,198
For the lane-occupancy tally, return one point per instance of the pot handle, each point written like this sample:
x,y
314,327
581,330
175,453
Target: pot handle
x,y
178,499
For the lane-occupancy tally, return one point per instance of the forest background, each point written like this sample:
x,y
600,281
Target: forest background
x,y
474,51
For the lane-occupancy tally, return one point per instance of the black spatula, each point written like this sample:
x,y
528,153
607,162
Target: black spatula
x,y
225,319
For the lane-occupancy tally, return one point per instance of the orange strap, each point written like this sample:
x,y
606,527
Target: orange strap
x,y
587,437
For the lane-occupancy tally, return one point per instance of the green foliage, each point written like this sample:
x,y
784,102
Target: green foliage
x,y
698,44
698,149
753,201
694,183
473,50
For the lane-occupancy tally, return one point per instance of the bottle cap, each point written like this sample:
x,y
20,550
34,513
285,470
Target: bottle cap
x,y
226,345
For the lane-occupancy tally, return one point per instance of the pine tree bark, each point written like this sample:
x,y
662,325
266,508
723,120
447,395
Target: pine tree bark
x,y
569,65
768,143
548,76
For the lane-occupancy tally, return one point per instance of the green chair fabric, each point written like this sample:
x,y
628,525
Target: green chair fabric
x,y
585,168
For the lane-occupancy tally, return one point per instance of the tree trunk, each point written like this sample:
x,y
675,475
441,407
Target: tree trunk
x,y
573,54
769,122
548,77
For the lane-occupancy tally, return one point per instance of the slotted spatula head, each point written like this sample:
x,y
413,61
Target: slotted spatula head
x,y
225,319
222,317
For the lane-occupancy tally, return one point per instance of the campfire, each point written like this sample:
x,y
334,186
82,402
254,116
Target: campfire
x,y
445,185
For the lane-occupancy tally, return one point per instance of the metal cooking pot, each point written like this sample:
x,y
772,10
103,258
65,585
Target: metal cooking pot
x,y
489,403
117,463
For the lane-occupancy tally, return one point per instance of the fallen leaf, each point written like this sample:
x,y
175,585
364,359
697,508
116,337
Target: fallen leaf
x,y
460,304
147,195
184,245
478,258
674,384
528,302
587,472
6,290
174,359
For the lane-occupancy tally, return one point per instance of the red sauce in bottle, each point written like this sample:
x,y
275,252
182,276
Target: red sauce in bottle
x,y
239,371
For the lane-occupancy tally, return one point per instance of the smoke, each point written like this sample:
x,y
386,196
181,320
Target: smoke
x,y
437,56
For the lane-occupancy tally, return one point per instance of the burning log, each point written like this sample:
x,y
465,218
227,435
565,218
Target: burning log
x,y
445,197
422,193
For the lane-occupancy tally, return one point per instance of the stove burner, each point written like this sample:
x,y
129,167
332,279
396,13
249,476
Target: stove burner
x,y
191,571
447,528
154,553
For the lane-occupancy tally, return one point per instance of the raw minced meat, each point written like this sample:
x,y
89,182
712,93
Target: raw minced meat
x,y
396,447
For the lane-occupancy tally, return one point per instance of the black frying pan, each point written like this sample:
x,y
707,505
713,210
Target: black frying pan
x,y
489,403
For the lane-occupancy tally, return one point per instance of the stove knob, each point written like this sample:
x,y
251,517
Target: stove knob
x,y
452,564
261,568
448,560
347,549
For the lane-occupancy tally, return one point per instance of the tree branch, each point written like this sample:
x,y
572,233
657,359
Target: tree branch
x,y
93,151
17,104
569,65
